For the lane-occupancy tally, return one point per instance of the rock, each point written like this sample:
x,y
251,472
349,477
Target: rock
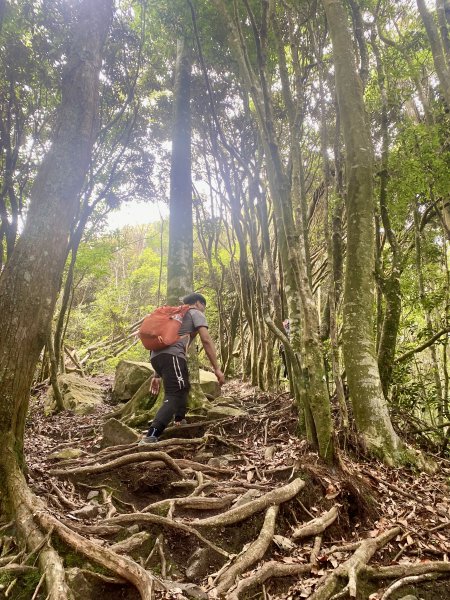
x,y
128,379
132,543
220,412
66,454
78,583
116,433
133,529
226,401
218,462
209,384
198,564
92,494
188,590
79,394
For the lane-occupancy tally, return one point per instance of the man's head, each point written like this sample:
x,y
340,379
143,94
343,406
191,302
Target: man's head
x,y
196,300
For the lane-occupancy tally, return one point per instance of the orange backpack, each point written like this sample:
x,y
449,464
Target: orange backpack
x,y
160,328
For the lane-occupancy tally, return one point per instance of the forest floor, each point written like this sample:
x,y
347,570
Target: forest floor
x,y
236,508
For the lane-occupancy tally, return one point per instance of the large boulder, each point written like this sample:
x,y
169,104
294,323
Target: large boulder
x,y
128,379
116,433
209,384
79,395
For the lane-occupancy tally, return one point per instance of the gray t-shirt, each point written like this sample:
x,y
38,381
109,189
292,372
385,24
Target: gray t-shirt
x,y
192,320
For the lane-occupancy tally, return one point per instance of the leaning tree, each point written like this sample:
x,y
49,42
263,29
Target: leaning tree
x,y
31,279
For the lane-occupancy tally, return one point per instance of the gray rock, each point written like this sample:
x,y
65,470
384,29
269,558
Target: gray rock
x,y
92,494
79,394
198,564
116,433
78,583
66,453
220,412
128,379
209,384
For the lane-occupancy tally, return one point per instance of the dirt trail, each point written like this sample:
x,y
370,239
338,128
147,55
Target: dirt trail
x,y
236,508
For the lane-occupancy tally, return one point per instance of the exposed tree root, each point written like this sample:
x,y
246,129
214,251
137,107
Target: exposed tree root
x,y
351,568
414,579
252,554
123,566
268,570
192,502
240,513
317,525
120,462
145,518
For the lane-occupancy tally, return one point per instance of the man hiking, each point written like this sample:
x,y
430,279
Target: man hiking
x,y
170,365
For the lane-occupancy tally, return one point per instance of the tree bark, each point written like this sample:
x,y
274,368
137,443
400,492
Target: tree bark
x,y
180,262
31,279
369,406
437,50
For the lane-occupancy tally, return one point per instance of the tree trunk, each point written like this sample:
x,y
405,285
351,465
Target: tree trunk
x,y
437,50
369,405
30,281
180,261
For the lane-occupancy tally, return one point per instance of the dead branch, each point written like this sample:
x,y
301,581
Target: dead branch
x,y
317,525
252,554
352,567
234,515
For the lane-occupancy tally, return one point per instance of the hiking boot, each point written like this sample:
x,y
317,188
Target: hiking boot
x,y
148,439
178,423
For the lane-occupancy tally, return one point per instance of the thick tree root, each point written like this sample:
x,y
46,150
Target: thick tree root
x,y
267,571
316,525
235,515
145,518
122,461
352,567
252,554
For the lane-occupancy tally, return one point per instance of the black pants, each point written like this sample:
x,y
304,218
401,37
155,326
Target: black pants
x,y
174,373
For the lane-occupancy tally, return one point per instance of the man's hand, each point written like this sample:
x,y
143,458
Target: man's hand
x,y
155,383
220,376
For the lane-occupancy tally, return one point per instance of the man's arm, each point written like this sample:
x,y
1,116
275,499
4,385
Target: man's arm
x,y
210,350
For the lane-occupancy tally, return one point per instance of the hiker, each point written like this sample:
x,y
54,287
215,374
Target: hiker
x,y
170,365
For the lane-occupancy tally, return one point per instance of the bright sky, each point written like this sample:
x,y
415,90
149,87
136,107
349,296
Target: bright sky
x,y
136,213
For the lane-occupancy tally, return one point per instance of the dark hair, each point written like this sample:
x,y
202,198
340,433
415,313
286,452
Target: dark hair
x,y
193,298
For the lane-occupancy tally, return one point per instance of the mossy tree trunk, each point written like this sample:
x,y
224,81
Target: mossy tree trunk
x,y
369,405
31,279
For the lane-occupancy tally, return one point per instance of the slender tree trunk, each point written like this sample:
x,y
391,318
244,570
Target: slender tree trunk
x,y
390,286
292,247
369,405
428,319
180,260
437,50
